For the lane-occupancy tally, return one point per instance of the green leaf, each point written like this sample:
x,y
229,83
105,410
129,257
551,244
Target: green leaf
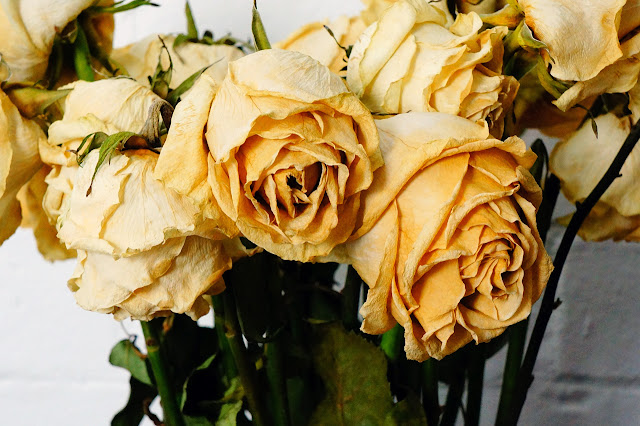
x,y
121,6
408,412
108,146
133,413
174,95
32,101
96,139
125,354
555,87
354,373
257,28
181,39
192,30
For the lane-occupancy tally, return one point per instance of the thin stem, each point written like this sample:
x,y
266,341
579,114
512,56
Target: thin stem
x,y
246,370
454,396
517,340
277,381
549,199
227,357
475,375
548,301
159,366
430,397
351,299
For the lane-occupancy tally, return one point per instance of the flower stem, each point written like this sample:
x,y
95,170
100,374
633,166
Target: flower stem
x,y
430,401
454,397
227,357
525,377
475,375
277,381
246,370
392,343
351,299
159,366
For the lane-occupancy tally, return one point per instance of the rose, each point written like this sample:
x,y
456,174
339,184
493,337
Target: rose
x,y
314,40
374,9
143,249
19,161
140,59
448,240
580,162
411,60
287,152
29,29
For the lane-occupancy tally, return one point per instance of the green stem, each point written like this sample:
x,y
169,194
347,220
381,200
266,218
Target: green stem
x,y
430,396
82,56
475,375
246,370
159,366
454,396
225,350
351,300
525,377
277,381
517,340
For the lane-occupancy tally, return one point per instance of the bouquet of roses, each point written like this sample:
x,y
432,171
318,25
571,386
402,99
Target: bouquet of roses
x,y
355,203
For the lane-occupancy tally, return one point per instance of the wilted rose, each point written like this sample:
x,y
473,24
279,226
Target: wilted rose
x,y
582,160
314,40
412,60
19,161
449,245
374,9
286,150
143,249
140,59
29,29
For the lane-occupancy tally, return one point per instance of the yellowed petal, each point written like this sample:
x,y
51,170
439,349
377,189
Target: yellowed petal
x,y
19,161
578,52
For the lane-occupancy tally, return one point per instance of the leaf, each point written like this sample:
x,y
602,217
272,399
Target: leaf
x,y
192,30
180,39
257,28
133,413
408,412
354,373
125,354
33,101
174,95
96,138
121,6
110,144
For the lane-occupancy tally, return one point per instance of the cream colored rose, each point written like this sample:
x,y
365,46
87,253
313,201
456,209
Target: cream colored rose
x,y
581,36
582,160
286,150
143,250
31,197
314,40
449,245
29,28
411,60
141,58
19,161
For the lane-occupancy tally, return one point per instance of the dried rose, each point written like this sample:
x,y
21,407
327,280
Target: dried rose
x,y
411,60
449,245
287,151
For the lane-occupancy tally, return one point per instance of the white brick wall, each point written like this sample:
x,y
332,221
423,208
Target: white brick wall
x,y
53,359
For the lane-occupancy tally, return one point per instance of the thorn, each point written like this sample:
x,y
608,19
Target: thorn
x,y
557,303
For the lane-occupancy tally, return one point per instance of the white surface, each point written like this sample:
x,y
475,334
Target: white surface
x,y
53,359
